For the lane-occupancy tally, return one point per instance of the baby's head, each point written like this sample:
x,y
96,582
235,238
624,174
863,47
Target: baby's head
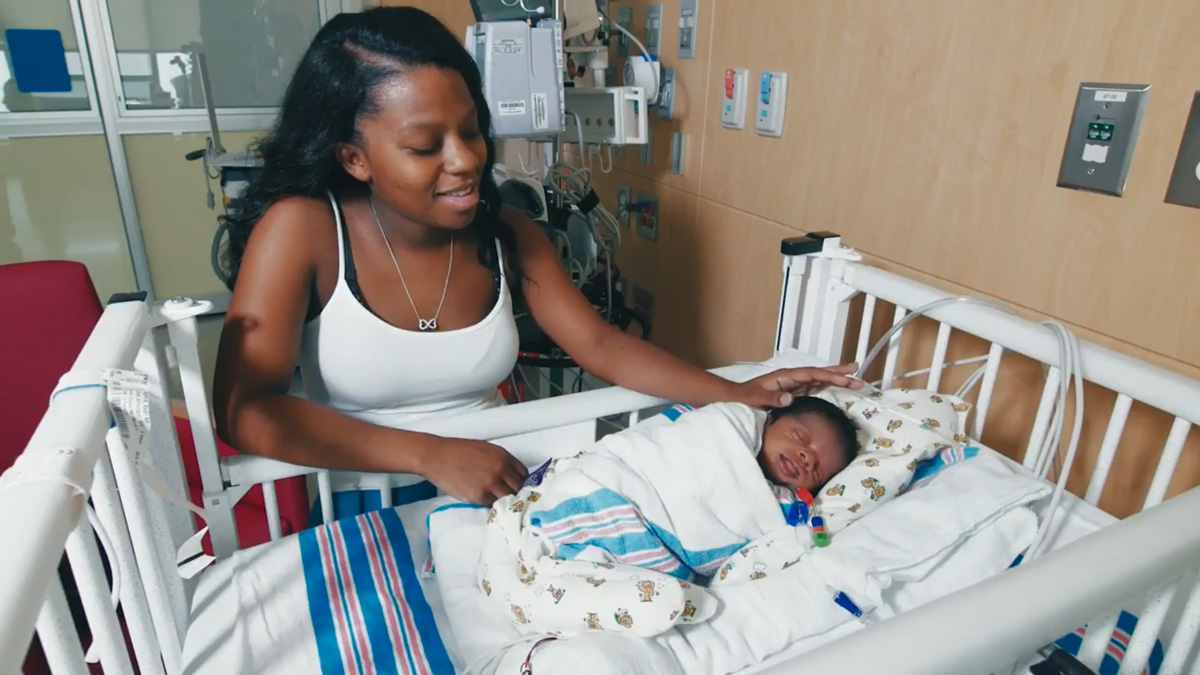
x,y
807,443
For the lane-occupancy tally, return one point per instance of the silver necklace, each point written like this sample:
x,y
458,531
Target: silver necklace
x,y
430,324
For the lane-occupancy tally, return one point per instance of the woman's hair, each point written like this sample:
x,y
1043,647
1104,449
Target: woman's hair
x,y
846,429
334,86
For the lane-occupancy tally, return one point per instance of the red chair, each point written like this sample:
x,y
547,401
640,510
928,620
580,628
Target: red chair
x,y
52,308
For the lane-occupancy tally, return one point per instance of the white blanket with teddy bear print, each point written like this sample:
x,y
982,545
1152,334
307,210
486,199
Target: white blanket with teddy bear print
x,y
612,539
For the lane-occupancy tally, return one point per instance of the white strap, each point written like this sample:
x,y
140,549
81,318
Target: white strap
x,y
129,402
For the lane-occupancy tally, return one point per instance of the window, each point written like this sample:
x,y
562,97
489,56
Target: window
x,y
251,49
52,15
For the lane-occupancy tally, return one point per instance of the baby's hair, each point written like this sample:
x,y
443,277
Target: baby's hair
x,y
847,430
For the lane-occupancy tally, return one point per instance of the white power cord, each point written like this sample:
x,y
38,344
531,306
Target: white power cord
x,y
922,371
1070,363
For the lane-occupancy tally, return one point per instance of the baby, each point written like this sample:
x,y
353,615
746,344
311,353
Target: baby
x,y
807,443
613,538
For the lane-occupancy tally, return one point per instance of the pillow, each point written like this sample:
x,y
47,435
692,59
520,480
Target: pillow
x,y
898,429
907,539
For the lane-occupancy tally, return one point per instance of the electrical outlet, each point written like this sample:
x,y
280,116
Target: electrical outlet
x,y
654,14
666,94
623,196
1102,135
624,20
647,216
1184,188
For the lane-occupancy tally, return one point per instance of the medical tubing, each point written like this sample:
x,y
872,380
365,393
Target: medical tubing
x,y
1075,365
878,347
1071,366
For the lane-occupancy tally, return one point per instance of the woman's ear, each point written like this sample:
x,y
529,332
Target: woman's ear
x,y
354,161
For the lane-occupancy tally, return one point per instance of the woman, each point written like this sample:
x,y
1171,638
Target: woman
x,y
373,251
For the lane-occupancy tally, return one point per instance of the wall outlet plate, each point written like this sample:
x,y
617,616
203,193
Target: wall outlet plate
x,y
647,220
1103,133
666,94
654,15
625,20
1184,188
623,197
687,29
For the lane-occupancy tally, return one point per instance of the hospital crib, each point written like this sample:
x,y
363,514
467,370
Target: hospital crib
x,y
77,454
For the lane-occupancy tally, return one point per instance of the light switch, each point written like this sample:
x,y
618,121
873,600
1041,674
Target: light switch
x,y
1102,135
772,102
733,98
1184,188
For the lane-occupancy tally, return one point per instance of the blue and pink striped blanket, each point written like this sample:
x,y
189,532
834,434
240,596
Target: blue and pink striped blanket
x,y
369,614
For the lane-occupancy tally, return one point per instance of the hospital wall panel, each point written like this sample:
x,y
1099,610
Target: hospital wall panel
x,y
177,225
58,202
930,135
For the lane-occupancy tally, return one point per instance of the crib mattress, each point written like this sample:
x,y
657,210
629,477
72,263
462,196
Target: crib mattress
x,y
304,603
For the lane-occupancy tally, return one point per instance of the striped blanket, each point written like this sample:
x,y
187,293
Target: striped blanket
x,y
368,613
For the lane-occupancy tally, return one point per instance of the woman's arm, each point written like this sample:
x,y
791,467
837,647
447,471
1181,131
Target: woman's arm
x,y
259,349
615,356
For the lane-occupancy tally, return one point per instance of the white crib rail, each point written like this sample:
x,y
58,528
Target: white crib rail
x,y
983,628
63,451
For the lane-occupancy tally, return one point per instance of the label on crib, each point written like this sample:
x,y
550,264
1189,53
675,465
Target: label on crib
x,y
129,404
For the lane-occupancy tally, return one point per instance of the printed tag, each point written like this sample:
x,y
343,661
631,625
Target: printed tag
x,y
1112,96
508,46
541,114
129,404
511,108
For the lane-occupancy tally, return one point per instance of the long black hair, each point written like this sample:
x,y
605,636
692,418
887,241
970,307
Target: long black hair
x,y
333,87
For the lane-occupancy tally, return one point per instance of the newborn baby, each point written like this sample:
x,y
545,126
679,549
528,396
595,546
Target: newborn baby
x,y
610,539
807,443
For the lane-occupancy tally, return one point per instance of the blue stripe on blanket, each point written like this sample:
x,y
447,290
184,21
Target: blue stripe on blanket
x,y
365,603
431,641
318,605
367,594
606,520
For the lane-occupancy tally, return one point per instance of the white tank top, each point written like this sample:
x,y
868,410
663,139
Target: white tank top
x,y
357,363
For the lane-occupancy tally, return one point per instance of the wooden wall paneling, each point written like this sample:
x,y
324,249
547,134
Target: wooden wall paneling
x,y
692,86
925,138
656,264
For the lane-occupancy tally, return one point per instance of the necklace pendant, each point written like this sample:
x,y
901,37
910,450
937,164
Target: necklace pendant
x,y
427,324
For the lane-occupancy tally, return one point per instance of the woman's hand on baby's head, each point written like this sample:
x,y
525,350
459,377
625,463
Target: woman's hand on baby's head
x,y
777,389
474,471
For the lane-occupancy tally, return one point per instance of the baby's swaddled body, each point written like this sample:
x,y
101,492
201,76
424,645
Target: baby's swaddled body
x,y
613,538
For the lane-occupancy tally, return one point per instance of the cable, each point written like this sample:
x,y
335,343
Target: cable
x,y
922,371
920,311
1072,368
1070,363
637,42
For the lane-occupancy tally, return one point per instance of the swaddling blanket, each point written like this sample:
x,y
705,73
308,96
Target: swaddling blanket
x,y
610,539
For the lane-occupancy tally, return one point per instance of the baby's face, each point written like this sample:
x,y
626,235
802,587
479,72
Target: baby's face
x,y
801,452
